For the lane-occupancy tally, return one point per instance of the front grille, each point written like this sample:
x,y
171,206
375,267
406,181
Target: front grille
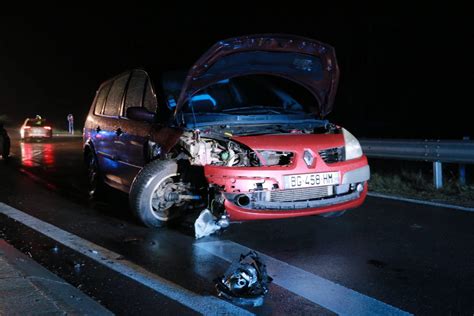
x,y
332,155
301,194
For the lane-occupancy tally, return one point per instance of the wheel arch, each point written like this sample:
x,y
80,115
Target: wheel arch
x,y
87,149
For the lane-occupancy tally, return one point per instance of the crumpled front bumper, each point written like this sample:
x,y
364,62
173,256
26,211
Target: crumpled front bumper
x,y
265,197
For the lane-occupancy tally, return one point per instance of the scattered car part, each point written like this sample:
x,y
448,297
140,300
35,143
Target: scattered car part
x,y
205,224
245,282
224,221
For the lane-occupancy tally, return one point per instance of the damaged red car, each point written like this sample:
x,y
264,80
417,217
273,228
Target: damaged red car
x,y
242,133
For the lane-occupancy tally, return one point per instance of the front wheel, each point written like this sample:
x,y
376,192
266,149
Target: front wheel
x,y
156,193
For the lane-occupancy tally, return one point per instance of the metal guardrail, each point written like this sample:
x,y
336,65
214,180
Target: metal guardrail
x,y
436,151
453,151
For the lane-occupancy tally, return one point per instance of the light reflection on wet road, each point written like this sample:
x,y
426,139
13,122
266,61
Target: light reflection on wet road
x,y
35,154
56,163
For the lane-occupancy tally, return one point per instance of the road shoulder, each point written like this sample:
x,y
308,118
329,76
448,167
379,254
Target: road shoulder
x,y
27,288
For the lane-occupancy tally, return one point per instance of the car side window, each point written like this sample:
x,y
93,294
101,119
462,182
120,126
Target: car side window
x,y
99,104
149,101
114,99
135,90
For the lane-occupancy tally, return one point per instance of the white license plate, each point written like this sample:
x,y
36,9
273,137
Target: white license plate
x,y
311,180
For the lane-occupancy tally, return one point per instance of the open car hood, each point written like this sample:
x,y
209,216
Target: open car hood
x,y
305,61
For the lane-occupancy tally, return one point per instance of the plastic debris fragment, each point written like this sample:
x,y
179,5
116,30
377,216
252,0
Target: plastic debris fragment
x,y
245,281
205,224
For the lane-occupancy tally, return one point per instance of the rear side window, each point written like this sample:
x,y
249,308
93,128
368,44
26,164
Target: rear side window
x,y
140,93
114,99
99,104
136,88
150,102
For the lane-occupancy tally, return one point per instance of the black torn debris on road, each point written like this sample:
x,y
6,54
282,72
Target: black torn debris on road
x,y
245,282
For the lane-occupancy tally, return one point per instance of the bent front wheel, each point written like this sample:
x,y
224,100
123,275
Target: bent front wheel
x,y
156,195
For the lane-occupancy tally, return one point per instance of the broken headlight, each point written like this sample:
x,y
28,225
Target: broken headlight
x,y
245,281
276,158
239,155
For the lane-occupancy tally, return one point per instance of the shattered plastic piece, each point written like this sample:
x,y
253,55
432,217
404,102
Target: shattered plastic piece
x,y
205,224
245,281
224,221
77,267
132,239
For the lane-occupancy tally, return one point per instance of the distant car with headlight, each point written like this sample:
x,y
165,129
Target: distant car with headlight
x,y
242,133
36,128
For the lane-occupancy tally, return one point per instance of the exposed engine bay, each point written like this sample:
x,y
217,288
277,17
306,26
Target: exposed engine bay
x,y
210,151
215,146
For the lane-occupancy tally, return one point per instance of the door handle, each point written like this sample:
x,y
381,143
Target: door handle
x,y
118,131
98,129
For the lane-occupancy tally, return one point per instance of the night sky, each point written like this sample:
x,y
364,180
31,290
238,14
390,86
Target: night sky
x,y
405,71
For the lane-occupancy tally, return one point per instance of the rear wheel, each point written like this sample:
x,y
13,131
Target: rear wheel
x,y
95,183
332,214
156,193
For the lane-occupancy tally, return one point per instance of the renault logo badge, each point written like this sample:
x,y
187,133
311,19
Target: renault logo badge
x,y
308,158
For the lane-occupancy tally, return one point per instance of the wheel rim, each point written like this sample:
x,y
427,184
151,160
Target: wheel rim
x,y
159,207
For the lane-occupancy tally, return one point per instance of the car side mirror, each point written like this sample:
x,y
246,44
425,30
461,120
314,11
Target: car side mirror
x,y
138,113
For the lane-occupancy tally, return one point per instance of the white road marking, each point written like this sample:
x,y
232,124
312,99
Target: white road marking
x,y
403,199
207,305
323,292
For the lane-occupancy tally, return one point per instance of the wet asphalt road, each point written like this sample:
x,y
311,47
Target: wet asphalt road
x,y
419,259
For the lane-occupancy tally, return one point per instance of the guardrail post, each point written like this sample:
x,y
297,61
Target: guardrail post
x,y
438,174
462,169
462,174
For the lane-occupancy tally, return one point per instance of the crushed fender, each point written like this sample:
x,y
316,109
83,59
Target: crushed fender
x,y
205,224
245,282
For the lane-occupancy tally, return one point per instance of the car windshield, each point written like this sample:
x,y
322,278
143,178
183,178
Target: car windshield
x,y
254,94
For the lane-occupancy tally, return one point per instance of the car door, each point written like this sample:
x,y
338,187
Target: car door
x,y
132,143
107,131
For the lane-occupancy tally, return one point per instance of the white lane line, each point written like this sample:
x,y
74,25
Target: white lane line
x,y
330,295
207,305
437,204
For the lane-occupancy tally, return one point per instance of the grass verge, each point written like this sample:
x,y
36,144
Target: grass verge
x,y
418,185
